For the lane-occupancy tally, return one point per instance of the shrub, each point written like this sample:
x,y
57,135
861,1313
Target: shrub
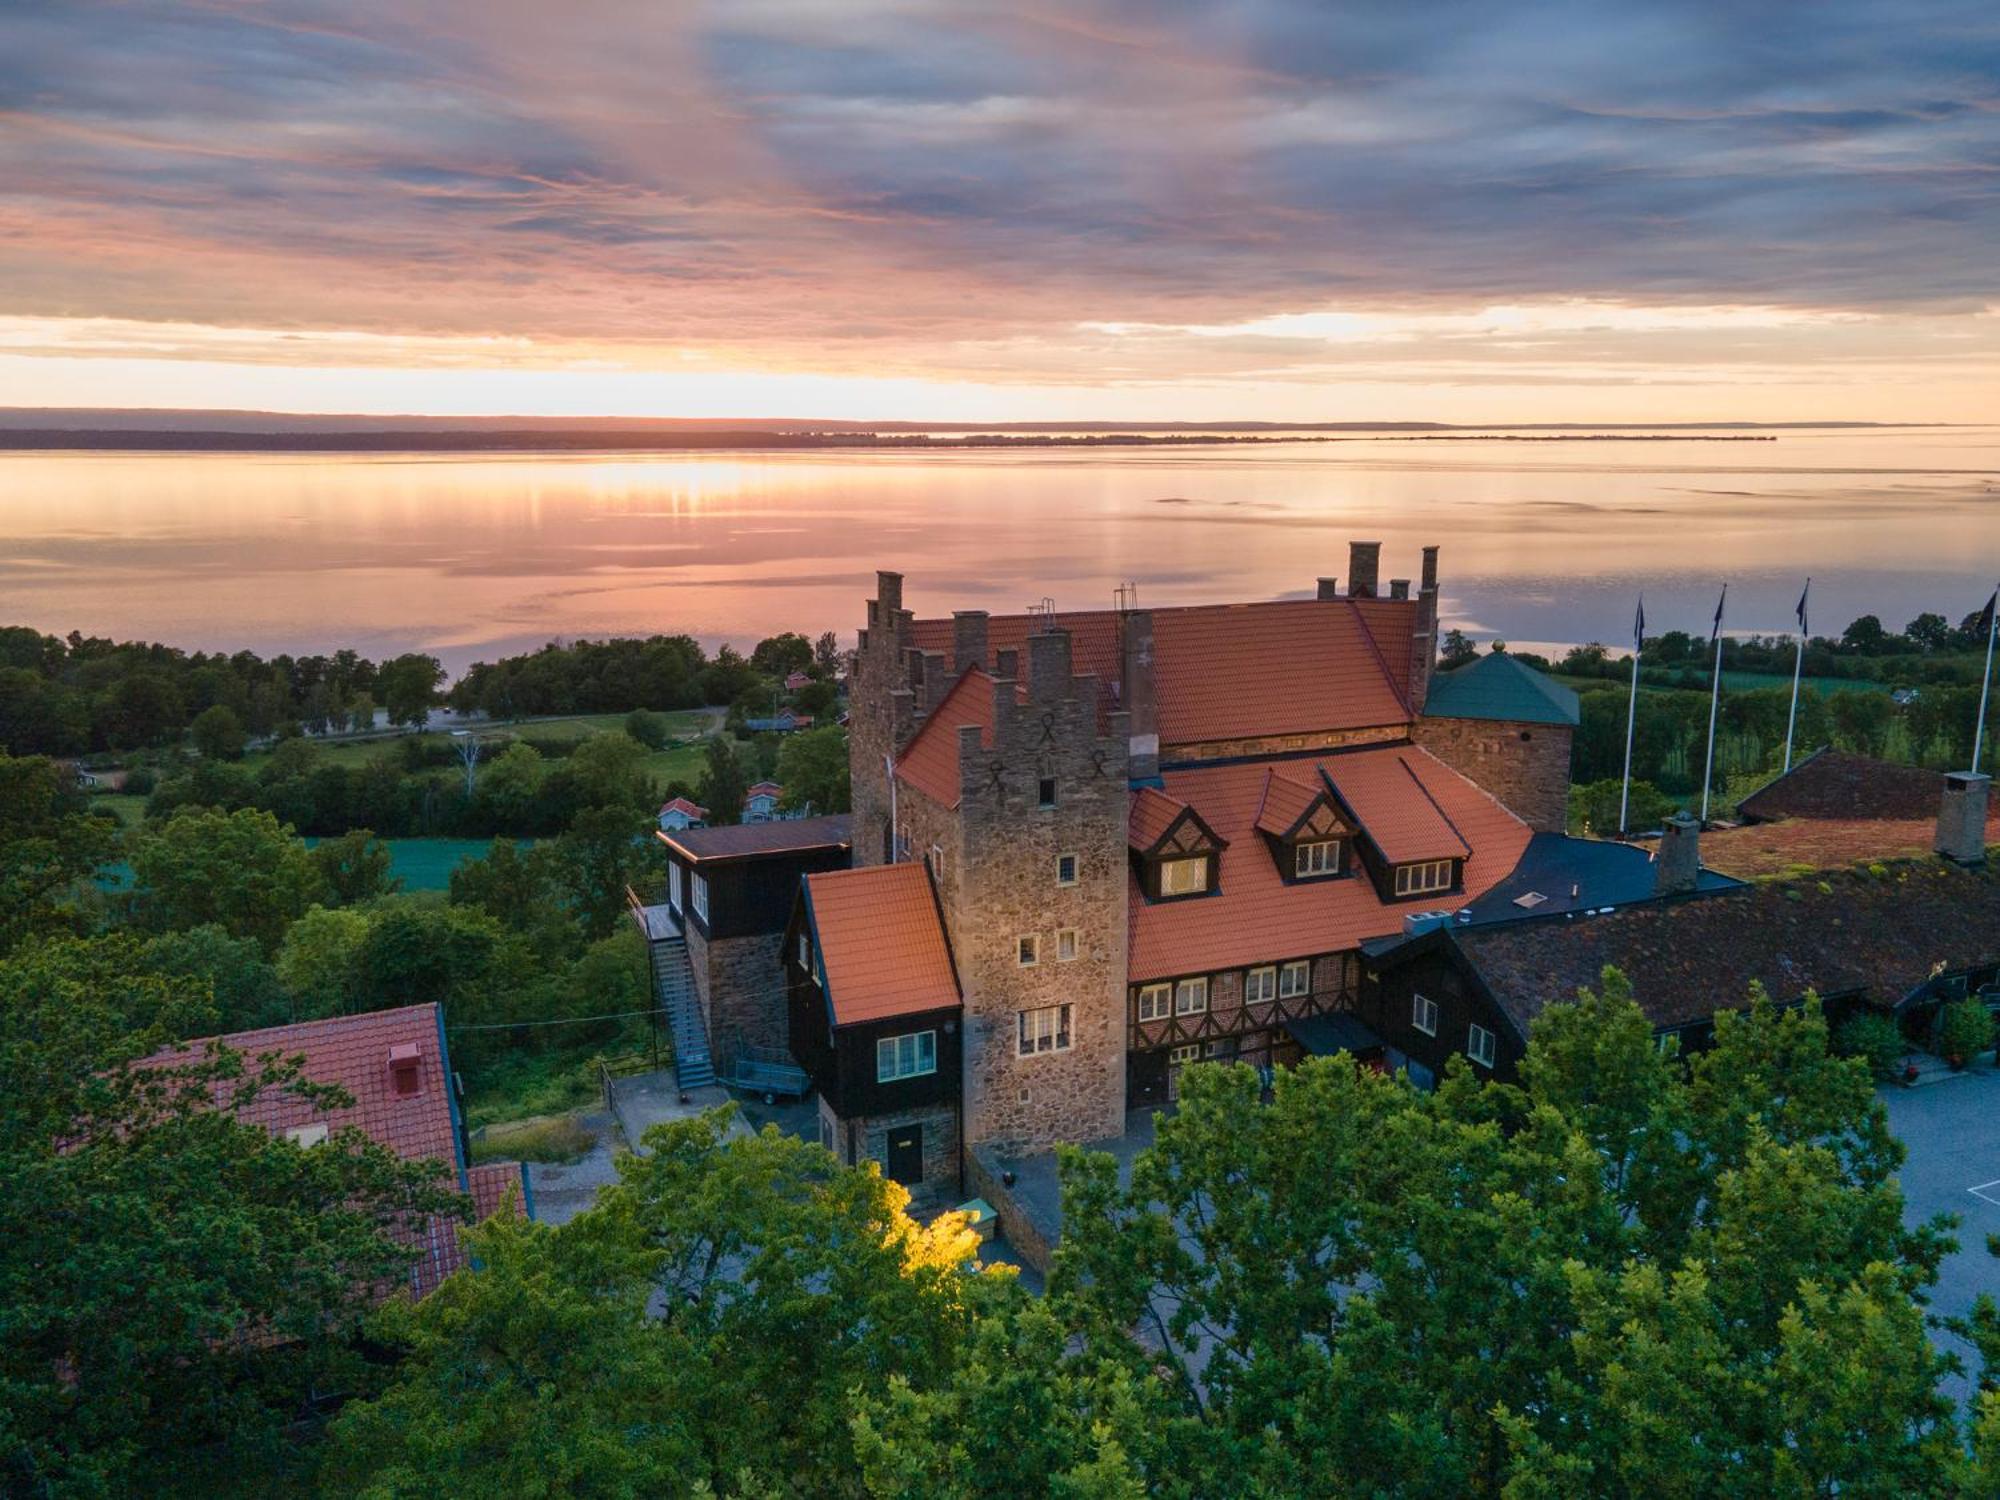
x,y
557,1138
648,728
141,782
1875,1039
1964,1031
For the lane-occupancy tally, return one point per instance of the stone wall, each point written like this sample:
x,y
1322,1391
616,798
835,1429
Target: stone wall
x,y
1525,766
1280,744
743,987
941,1187
877,675
1004,886
697,946
1017,1226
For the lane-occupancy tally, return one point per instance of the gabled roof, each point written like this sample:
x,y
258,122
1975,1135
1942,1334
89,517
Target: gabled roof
x,y
764,789
1255,916
881,942
682,804
930,761
1239,671
1153,813
1394,806
756,840
1287,799
1834,784
1876,936
353,1052
1498,687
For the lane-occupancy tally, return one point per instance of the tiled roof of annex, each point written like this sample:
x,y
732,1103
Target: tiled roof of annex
x,y
1239,671
1255,916
881,943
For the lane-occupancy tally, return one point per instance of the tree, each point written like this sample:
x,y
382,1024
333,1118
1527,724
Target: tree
x,y
320,962
242,871
1930,631
354,867
826,655
781,655
218,733
1593,807
361,713
49,848
779,1283
812,765
723,782
592,862
1864,636
409,688
1457,649
178,1282
648,728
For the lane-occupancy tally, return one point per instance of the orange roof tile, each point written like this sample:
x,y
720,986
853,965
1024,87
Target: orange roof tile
x,y
1237,671
1153,813
881,943
930,761
1286,800
1394,807
1255,917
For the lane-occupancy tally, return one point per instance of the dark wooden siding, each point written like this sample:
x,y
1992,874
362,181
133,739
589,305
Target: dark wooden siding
x,y
1435,970
750,897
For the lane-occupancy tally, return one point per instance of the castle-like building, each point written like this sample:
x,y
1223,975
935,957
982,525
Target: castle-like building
x,y
1090,848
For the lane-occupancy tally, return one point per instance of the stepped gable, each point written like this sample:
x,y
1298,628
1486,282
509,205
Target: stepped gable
x,y
1237,671
1255,916
880,942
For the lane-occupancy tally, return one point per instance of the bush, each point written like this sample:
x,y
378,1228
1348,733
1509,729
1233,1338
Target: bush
x,y
141,782
558,1138
1875,1039
1964,1031
648,728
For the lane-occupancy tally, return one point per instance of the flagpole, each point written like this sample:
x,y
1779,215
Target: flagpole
x,y
1714,697
1985,682
1631,711
1798,664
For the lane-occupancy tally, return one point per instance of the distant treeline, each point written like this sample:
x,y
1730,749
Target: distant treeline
x,y
616,676
533,441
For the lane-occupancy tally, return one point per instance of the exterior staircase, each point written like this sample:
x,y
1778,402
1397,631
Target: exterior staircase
x,y
673,990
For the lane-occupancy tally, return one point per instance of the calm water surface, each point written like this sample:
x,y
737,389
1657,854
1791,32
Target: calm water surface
x,y
470,557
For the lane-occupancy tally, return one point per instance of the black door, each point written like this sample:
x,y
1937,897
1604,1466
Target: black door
x,y
906,1154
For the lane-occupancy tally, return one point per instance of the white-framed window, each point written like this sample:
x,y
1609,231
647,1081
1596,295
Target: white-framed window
x,y
1067,944
1183,877
1424,1014
674,886
935,859
1295,979
1320,857
1260,985
1181,1056
1045,1029
908,1056
1479,1045
1066,868
805,950
1191,996
1156,1001
1028,949
700,887
1417,879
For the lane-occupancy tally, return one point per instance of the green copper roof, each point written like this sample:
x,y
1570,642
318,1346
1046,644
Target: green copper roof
x,y
1499,687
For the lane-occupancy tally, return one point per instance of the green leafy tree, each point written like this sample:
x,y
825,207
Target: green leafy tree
x,y
826,654
49,848
781,655
723,782
408,687
242,871
320,962
218,733
1456,650
177,1283
592,862
1594,807
648,728
812,766
355,867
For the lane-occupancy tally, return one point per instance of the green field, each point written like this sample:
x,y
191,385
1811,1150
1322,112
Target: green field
x,y
1731,682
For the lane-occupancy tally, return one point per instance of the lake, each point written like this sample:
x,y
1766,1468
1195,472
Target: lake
x,y
471,557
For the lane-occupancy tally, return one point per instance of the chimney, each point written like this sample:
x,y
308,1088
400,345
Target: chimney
x,y
1329,588
1961,824
889,593
1399,588
1429,581
1677,862
1364,561
406,1069
968,639
1007,665
1048,666
1424,637
1137,696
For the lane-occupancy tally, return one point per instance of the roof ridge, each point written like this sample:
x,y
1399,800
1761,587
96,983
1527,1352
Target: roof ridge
x,y
1456,832
1375,647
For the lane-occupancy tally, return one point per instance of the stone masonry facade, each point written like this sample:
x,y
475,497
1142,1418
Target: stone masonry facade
x,y
745,975
1524,766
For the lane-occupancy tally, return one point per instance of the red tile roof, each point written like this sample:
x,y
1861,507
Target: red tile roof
x,y
1287,798
1256,917
764,789
1241,671
353,1052
881,942
681,804
1396,809
1153,813
930,761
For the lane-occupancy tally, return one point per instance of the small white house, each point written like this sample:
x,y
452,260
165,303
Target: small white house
x,y
679,813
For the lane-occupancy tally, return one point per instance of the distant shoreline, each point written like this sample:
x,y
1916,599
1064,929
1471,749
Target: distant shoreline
x,y
129,440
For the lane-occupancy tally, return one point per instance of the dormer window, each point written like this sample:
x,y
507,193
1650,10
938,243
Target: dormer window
x,y
1316,857
1426,876
1184,877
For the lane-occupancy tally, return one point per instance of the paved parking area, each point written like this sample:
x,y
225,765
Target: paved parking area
x,y
1952,1130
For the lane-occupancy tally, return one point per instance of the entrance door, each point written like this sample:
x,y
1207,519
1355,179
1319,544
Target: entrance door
x,y
906,1154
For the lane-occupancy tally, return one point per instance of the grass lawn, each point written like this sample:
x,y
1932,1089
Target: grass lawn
x,y
129,809
554,1138
426,864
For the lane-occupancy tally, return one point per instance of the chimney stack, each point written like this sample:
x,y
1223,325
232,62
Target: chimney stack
x,y
1677,862
1961,824
1007,665
1329,588
1429,581
1399,588
968,639
1364,561
1048,666
1137,695
1424,637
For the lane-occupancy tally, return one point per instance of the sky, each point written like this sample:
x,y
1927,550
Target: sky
x,y
1287,210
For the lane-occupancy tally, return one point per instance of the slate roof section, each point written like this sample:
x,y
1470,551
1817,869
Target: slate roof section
x,y
1239,671
1834,784
754,840
1571,874
1255,916
353,1052
1394,804
1877,937
881,942
1498,687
